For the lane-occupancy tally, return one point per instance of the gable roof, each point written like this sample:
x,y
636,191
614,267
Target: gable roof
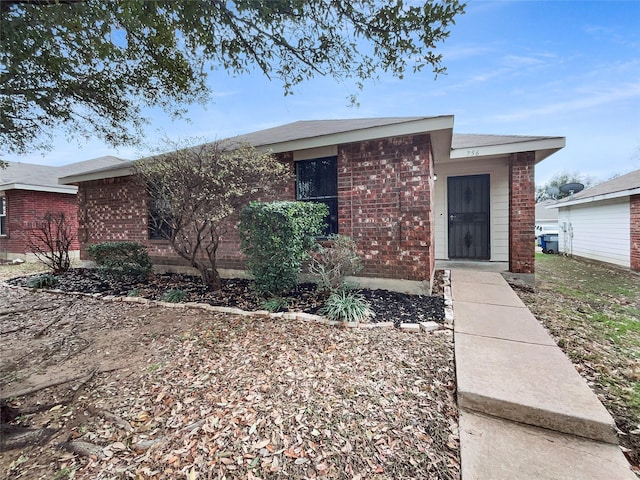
x,y
621,186
308,134
44,178
545,214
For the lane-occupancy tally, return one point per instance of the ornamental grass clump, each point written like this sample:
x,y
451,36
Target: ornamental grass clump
x,y
175,296
346,306
43,281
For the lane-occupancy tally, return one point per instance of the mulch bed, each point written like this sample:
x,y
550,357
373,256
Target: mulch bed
x,y
387,306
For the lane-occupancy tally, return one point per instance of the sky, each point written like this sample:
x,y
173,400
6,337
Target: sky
x,y
556,68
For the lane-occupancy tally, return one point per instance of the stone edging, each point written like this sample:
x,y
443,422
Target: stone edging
x,y
308,317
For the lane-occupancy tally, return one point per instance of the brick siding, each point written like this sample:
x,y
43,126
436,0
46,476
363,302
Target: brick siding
x,y
634,207
25,208
384,203
521,213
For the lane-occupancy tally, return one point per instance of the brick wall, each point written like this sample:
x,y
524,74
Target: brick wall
x,y
25,208
521,213
634,207
115,209
384,198
384,189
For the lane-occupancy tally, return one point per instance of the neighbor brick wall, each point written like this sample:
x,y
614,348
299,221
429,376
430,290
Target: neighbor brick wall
x,y
25,208
384,202
634,207
521,212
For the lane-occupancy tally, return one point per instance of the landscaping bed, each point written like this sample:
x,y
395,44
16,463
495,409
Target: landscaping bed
x,y
386,305
592,310
160,393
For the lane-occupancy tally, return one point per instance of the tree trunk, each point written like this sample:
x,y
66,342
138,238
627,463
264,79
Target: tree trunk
x,y
211,277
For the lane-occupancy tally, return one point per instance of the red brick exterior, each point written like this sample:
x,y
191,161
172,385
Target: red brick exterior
x,y
384,203
24,210
522,212
634,207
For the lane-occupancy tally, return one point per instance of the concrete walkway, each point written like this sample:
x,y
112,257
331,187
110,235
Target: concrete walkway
x,y
525,412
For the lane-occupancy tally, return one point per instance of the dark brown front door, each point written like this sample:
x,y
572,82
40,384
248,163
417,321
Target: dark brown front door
x,y
468,211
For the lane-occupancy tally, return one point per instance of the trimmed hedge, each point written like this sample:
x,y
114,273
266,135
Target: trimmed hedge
x,y
121,258
276,238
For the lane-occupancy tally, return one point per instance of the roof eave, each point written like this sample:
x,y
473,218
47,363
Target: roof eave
x,y
597,198
543,148
411,127
99,175
70,190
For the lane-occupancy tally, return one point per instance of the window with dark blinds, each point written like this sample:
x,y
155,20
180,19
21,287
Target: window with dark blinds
x,y
317,181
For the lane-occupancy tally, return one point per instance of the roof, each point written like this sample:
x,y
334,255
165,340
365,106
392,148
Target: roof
x,y
621,186
30,176
543,213
309,134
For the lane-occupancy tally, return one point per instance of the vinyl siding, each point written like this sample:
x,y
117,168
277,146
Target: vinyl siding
x,y
498,171
601,231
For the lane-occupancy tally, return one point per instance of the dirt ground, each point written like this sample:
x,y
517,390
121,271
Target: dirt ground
x,y
152,392
593,312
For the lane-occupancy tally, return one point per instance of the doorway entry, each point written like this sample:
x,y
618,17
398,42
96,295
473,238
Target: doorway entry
x,y
468,217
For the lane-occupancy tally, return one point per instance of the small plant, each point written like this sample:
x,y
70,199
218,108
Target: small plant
x,y
174,296
346,306
276,304
134,292
121,259
43,281
333,261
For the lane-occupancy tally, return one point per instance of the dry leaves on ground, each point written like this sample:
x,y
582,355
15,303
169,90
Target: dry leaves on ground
x,y
231,397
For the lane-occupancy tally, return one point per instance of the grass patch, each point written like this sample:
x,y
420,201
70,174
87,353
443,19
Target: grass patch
x,y
593,312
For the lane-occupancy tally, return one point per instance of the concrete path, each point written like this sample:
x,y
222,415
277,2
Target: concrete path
x,y
525,412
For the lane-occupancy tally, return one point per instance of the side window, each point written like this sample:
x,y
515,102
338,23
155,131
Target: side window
x,y
3,215
317,181
159,229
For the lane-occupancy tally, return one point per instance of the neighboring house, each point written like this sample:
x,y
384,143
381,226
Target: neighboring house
x,y
603,222
546,218
28,192
406,189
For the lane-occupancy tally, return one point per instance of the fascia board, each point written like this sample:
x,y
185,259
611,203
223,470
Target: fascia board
x,y
87,177
597,198
71,190
507,148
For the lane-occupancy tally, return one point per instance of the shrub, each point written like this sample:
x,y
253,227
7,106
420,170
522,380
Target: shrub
x,y
174,296
120,259
51,241
332,262
42,281
276,304
276,238
346,306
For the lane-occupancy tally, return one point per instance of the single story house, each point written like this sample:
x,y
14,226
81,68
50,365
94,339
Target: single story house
x,y
603,222
28,191
406,189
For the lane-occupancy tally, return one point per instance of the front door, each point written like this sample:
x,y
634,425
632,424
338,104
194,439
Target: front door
x,y
468,210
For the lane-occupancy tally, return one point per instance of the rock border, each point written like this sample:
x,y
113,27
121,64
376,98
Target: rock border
x,y
425,327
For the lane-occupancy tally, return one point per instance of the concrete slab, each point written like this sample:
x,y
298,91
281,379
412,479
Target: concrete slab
x,y
498,321
528,383
470,276
494,449
485,293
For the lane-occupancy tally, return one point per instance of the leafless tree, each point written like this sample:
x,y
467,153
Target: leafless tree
x,y
51,241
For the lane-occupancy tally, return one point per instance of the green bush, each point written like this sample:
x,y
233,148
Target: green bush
x,y
346,306
276,304
120,259
42,281
276,238
333,261
174,296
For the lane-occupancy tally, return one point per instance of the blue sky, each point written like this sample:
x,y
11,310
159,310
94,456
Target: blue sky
x,y
564,68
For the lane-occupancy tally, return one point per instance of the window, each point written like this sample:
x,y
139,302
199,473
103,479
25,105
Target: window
x,y
3,215
159,229
317,181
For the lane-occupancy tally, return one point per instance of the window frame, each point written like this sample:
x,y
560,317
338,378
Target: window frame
x,y
330,200
4,227
153,233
